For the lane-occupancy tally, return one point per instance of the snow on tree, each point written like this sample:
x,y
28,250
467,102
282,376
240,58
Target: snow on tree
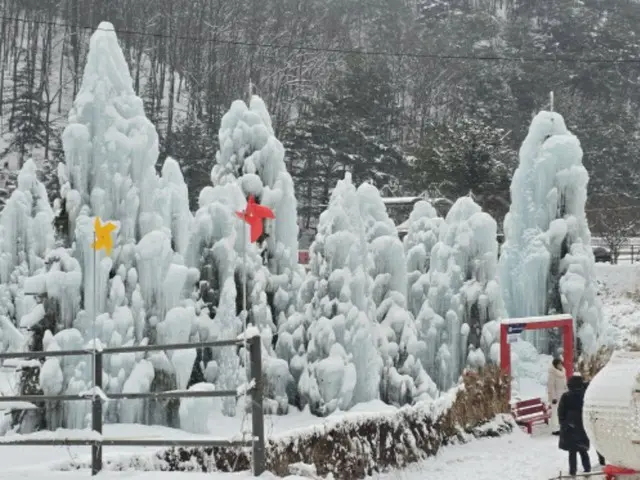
x,y
464,295
331,343
546,264
398,340
423,229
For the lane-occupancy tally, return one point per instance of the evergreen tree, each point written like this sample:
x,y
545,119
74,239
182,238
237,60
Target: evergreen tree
x,y
27,121
468,157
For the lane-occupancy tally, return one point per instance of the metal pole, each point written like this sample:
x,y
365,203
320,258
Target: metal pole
x,y
245,313
96,414
96,368
257,415
95,308
245,239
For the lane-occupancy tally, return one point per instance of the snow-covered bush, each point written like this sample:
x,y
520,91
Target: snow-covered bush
x,y
547,264
464,294
423,230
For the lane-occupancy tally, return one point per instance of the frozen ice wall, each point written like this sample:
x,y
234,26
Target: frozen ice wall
x,y
341,365
547,265
463,296
423,230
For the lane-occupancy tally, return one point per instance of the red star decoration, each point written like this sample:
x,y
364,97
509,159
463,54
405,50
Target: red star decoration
x,y
254,214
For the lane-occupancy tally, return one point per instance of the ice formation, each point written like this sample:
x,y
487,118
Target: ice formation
x,y
141,293
331,343
464,297
423,230
26,236
546,264
403,380
252,158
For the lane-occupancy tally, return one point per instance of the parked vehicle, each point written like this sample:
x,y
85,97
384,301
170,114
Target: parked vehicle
x,y
602,254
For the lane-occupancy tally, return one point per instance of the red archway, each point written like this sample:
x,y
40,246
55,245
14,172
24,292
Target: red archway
x,y
515,326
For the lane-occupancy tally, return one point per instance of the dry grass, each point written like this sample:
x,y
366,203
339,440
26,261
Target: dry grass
x,y
589,366
357,448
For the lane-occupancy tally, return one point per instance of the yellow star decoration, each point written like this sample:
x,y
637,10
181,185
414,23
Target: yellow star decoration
x,y
103,236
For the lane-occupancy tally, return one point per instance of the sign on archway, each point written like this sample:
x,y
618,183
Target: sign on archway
x,y
511,328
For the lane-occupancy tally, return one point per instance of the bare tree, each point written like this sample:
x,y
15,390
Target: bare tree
x,y
615,226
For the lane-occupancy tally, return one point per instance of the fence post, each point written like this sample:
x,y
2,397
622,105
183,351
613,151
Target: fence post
x,y
257,416
96,416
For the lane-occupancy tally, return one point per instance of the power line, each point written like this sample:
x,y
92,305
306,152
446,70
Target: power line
x,y
344,51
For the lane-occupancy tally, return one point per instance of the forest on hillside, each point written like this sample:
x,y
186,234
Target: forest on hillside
x,y
412,95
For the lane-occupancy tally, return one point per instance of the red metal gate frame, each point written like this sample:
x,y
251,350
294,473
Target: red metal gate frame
x,y
564,321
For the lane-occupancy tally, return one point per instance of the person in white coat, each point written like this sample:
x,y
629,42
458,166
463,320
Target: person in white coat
x,y
556,386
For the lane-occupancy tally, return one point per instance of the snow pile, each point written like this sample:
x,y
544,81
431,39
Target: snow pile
x,y
546,263
331,344
459,322
194,412
618,280
423,230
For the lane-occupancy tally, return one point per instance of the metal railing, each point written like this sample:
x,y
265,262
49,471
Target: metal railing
x,y
255,387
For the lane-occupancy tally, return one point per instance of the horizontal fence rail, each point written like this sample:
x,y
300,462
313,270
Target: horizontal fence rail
x,y
127,442
97,397
132,349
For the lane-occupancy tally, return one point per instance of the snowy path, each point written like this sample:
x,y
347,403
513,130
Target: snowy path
x,y
514,456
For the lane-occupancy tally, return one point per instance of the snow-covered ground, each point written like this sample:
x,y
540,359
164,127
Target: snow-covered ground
x,y
514,456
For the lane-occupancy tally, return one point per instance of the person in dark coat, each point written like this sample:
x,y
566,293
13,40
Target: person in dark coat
x,y
601,459
573,437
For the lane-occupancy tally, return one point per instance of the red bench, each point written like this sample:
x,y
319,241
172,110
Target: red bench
x,y
528,413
